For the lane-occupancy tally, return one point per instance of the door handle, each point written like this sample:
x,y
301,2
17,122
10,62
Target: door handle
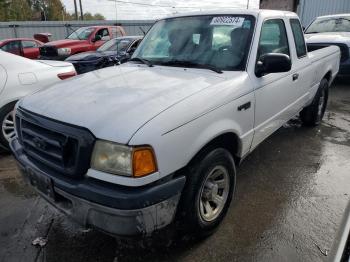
x,y
295,77
244,106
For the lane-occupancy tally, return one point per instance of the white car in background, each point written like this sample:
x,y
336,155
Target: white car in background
x,y
19,77
331,30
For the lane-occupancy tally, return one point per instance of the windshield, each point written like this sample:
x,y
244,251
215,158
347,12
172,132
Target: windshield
x,y
116,45
330,24
82,33
221,42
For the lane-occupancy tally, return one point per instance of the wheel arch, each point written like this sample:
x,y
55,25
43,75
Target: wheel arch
x,y
227,140
328,76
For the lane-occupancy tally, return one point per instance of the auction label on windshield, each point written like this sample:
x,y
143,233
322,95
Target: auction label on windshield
x,y
228,20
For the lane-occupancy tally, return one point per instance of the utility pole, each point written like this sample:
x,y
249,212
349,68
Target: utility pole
x,y
247,4
81,10
76,10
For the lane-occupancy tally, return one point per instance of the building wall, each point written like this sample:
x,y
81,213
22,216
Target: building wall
x,y
288,5
308,10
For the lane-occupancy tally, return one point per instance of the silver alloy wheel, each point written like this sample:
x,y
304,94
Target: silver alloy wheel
x,y
8,126
214,193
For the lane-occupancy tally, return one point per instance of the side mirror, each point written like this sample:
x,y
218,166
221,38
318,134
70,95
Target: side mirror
x,y
273,63
97,38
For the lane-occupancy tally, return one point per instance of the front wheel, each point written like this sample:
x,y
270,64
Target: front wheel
x,y
312,115
208,192
7,125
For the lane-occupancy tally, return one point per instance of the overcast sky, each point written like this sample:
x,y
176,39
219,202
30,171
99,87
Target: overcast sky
x,y
153,9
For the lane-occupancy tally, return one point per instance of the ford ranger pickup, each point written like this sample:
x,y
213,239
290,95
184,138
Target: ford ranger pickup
x,y
131,149
81,40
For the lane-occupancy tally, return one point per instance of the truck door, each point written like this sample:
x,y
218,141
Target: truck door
x,y
274,93
302,69
30,49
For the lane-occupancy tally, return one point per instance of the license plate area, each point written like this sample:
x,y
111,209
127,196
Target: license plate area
x,y
42,183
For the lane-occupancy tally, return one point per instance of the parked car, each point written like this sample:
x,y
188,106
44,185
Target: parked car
x,y
129,151
81,40
113,52
19,77
332,30
25,47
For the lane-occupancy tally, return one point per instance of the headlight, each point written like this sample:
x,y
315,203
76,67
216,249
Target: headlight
x,y
123,160
64,51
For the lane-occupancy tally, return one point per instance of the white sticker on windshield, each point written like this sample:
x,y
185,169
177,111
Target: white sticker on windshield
x,y
228,20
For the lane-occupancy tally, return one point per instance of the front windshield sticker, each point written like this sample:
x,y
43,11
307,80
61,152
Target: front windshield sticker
x,y
228,20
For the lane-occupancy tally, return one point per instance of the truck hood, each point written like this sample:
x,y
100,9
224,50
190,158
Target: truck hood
x,y
331,37
65,43
113,103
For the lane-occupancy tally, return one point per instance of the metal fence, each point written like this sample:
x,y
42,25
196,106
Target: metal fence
x,y
308,10
61,29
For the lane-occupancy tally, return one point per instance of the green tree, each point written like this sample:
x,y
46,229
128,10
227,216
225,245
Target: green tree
x,y
15,10
97,16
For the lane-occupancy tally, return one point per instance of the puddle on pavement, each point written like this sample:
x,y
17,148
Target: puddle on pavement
x,y
17,187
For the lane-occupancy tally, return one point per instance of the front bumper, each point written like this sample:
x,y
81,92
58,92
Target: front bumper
x,y
113,209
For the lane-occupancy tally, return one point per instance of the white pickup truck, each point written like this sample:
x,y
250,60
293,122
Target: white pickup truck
x,y
130,149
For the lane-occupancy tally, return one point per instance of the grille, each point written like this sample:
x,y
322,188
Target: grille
x,y
56,146
48,51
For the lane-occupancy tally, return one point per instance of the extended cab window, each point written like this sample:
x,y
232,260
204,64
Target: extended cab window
x,y
273,38
299,39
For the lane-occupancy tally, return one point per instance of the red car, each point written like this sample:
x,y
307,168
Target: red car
x,y
26,47
81,40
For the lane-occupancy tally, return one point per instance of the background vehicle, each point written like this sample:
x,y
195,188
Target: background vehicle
x,y
81,40
159,138
26,47
19,77
332,30
113,52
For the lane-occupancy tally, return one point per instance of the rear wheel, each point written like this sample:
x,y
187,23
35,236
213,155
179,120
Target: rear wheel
x,y
312,115
7,123
209,188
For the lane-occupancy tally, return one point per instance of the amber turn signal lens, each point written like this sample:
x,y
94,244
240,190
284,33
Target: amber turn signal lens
x,y
143,162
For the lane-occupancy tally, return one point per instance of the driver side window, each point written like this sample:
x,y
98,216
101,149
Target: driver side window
x,y
104,34
273,38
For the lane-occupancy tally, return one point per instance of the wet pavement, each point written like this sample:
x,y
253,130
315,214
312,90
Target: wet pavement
x,y
291,194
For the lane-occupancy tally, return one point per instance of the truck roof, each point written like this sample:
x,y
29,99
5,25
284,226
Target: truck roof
x,y
254,12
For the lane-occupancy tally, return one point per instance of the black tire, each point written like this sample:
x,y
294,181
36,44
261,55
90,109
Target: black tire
x,y
189,217
3,113
312,115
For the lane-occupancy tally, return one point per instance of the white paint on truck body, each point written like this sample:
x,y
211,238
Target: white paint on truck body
x,y
179,110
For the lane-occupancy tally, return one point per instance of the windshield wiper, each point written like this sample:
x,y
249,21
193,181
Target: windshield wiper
x,y
144,61
192,65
